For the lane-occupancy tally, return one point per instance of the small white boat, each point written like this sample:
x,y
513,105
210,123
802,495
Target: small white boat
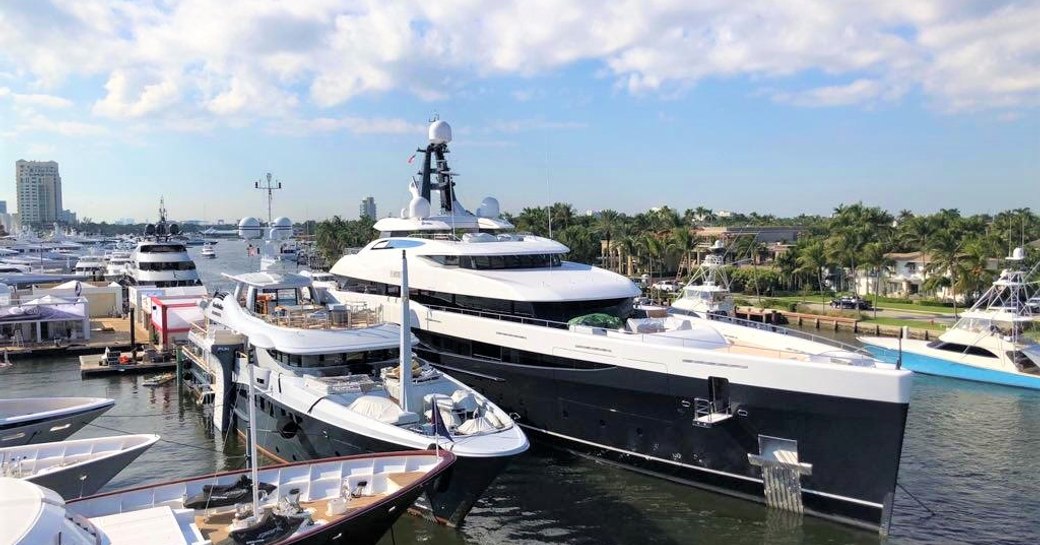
x,y
707,293
352,500
208,251
45,419
77,468
159,380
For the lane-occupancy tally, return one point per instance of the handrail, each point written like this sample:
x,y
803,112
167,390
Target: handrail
x,y
504,317
789,331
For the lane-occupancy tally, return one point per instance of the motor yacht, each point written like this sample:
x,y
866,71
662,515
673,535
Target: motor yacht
x,y
799,423
46,419
158,261
995,341
707,293
335,381
208,251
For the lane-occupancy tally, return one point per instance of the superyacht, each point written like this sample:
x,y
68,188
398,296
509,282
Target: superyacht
x,y
765,414
159,261
335,381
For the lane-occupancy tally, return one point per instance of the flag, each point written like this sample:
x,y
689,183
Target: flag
x,y
410,159
438,423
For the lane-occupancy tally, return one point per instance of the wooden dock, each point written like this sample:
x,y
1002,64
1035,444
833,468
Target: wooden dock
x,y
833,323
95,365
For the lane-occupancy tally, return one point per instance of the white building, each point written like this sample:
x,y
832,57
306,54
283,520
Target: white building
x,y
38,188
905,278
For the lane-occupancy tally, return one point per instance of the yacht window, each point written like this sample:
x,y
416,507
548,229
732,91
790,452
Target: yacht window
x,y
962,349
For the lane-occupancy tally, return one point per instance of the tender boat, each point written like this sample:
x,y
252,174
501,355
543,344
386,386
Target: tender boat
x,y
158,380
208,251
350,500
74,468
801,424
995,341
46,419
334,381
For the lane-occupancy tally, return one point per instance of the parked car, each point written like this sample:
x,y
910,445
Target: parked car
x,y
666,285
851,301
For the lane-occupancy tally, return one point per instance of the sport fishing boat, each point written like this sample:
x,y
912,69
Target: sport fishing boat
x,y
707,293
800,423
74,468
995,341
46,419
350,500
336,381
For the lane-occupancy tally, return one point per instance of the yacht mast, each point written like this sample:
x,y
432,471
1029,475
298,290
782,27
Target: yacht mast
x,y
406,337
270,187
253,462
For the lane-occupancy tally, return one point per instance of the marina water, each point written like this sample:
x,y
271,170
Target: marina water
x,y
969,460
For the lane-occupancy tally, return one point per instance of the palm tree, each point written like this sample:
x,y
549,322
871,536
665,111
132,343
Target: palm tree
x,y
786,263
607,224
682,242
562,214
944,263
873,257
813,259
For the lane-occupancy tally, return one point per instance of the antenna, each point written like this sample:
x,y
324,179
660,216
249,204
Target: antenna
x,y
269,186
548,187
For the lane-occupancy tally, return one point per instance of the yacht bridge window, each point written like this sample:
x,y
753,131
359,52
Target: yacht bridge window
x,y
362,362
163,248
962,349
166,266
495,262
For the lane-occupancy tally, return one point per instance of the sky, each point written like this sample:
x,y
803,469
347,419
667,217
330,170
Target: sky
x,y
776,107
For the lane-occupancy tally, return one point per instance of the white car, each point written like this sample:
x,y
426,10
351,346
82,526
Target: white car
x,y
666,285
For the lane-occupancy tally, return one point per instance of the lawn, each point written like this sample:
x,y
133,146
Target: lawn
x,y
920,324
817,299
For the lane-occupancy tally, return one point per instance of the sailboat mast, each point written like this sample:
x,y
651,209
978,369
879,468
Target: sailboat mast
x,y
253,462
406,337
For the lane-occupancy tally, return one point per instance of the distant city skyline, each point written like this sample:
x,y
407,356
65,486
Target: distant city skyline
x,y
781,109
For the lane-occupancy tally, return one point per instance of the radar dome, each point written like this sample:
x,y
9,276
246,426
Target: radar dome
x,y
149,229
717,245
175,229
281,228
249,228
419,208
440,132
1018,253
488,208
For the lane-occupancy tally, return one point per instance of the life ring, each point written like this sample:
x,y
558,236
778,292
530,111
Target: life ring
x,y
124,359
287,427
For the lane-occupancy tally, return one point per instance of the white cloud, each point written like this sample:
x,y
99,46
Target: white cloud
x,y
34,99
356,125
238,60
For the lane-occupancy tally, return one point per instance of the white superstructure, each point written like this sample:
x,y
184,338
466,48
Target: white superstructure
x,y
158,261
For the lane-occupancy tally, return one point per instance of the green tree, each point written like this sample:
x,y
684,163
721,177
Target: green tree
x,y
812,259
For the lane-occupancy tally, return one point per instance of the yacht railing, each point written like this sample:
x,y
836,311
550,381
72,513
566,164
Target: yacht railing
x,y
322,317
780,330
726,319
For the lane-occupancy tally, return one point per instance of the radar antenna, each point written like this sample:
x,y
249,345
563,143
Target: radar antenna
x,y
270,186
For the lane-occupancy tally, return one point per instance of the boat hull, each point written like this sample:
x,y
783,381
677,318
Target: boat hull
x,y
932,365
49,429
449,499
86,479
642,421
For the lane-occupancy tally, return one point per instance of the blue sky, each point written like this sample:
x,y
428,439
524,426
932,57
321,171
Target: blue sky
x,y
775,107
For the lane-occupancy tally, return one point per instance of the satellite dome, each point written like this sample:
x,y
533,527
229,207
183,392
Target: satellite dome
x,y
717,245
175,229
488,208
149,229
249,228
404,213
281,228
282,222
440,132
1018,254
419,208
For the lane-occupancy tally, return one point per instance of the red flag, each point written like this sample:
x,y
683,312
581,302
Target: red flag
x,y
410,159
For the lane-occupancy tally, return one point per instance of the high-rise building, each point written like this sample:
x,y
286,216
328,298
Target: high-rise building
x,y
38,187
3,207
368,208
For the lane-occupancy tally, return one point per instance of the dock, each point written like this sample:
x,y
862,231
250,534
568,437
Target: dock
x,y
125,363
833,323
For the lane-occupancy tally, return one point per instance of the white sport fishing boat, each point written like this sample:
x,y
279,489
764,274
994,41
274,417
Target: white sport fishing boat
x,y
995,341
345,501
74,468
707,293
802,424
46,419
336,380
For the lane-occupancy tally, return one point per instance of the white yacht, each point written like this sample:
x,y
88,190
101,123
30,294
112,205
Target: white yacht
x,y
208,251
799,423
330,383
995,341
707,293
159,262
116,263
91,266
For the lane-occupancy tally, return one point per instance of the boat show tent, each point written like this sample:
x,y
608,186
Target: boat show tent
x,y
102,300
44,319
172,316
140,299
